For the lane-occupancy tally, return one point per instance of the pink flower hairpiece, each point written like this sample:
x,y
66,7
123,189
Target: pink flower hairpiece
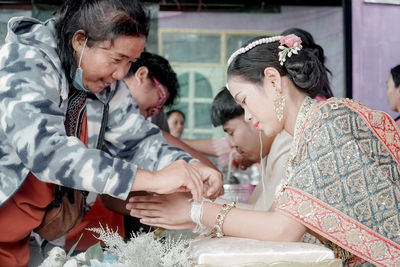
x,y
289,44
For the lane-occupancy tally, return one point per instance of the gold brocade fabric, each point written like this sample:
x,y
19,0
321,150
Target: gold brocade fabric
x,y
343,178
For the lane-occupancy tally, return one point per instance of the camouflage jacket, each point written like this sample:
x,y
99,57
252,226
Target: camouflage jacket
x,y
33,100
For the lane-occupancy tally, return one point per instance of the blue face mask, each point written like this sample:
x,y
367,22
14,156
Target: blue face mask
x,y
77,80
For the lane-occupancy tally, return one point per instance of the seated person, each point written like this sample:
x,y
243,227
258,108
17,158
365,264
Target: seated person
x,y
341,181
245,138
221,148
393,91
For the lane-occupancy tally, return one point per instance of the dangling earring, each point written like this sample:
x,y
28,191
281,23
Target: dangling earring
x,y
279,103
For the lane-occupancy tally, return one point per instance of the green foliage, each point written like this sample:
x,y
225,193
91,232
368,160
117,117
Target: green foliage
x,y
73,247
94,252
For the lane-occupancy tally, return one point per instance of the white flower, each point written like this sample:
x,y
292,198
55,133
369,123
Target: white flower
x,y
288,51
71,263
143,249
56,258
80,256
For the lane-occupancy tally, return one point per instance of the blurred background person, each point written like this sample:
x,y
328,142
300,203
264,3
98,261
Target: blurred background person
x,y
176,122
153,84
393,91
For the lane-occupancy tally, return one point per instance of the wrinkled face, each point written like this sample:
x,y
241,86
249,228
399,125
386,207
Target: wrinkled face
x,y
245,138
176,124
105,62
257,102
393,94
149,94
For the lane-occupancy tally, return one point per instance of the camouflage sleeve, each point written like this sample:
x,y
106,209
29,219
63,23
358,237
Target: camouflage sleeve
x,y
33,126
131,137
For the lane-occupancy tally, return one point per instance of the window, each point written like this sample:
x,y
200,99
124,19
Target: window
x,y
199,58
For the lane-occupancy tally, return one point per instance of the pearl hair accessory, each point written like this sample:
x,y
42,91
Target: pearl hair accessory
x,y
289,44
253,44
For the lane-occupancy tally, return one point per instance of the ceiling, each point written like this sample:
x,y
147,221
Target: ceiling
x,y
200,5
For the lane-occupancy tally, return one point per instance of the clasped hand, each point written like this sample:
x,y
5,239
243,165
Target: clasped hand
x,y
180,176
167,211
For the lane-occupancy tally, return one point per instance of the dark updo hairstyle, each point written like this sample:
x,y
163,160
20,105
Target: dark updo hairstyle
x,y
160,69
305,70
101,20
396,75
307,41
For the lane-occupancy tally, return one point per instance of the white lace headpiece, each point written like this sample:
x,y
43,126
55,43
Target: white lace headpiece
x,y
289,44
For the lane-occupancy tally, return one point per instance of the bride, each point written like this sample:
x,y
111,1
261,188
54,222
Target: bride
x,y
342,177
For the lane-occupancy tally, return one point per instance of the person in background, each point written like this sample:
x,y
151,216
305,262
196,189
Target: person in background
x,y
393,91
76,60
153,85
150,108
335,185
270,151
176,122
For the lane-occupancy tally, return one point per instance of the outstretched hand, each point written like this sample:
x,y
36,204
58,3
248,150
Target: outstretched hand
x,y
168,211
179,176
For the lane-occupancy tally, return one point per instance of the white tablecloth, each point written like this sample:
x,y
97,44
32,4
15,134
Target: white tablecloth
x,y
232,251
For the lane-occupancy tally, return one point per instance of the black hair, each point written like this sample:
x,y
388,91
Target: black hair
x,y
305,70
396,75
224,108
307,40
177,111
160,69
101,20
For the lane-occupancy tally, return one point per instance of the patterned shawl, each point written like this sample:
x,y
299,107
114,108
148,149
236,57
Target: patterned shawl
x,y
343,179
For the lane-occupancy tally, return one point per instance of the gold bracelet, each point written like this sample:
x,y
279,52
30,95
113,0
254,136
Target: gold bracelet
x,y
219,220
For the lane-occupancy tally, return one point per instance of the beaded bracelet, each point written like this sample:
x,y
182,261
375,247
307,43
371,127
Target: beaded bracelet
x,y
217,231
